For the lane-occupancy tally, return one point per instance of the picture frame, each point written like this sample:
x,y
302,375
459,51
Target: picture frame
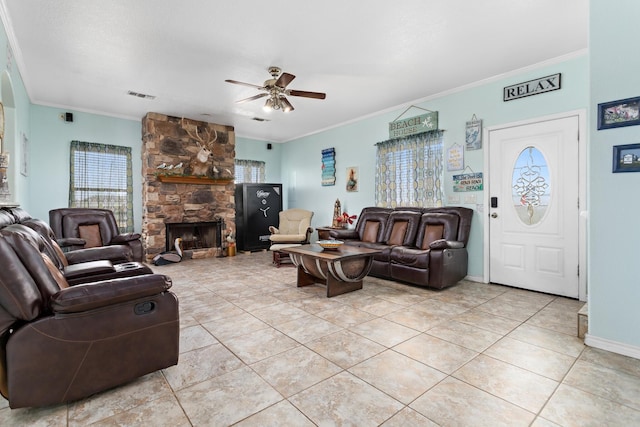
x,y
473,134
623,112
352,179
626,158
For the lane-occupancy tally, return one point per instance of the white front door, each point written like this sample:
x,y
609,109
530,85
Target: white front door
x,y
533,206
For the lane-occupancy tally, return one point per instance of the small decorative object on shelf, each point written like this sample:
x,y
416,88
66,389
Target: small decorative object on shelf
x,y
345,219
337,213
193,179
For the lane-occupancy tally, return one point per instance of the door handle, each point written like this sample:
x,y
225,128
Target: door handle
x,y
494,215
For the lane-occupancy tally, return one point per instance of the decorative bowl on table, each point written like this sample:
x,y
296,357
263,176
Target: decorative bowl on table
x,y
330,244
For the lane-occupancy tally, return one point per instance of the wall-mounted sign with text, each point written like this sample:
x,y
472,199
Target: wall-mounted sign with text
x,y
468,182
413,125
532,87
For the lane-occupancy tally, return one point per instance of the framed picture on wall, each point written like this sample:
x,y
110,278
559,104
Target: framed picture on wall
x,y
625,112
626,158
352,178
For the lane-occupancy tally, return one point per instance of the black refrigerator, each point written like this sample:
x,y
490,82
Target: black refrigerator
x,y
257,207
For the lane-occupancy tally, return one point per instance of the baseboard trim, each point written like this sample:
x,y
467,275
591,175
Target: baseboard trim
x,y
474,279
612,346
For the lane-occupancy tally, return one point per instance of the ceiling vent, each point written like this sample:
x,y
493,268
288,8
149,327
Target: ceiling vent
x,y
259,119
140,95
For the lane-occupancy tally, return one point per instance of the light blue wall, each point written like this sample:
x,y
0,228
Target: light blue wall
x,y
354,143
50,141
16,105
49,160
614,236
253,149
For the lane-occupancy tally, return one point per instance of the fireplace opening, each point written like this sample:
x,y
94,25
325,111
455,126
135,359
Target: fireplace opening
x,y
194,235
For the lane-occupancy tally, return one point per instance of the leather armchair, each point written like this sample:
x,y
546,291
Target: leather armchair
x,y
88,228
60,343
294,227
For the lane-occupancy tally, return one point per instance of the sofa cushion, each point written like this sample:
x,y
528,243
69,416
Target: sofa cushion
x,y
417,258
435,226
401,228
432,233
91,235
398,231
370,233
55,272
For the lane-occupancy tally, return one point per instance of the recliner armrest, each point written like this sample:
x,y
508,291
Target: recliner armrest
x,y
446,244
115,254
66,242
344,234
88,268
90,296
124,238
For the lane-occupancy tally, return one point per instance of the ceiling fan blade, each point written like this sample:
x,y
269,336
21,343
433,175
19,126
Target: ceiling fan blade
x,y
284,80
286,105
252,98
235,82
316,95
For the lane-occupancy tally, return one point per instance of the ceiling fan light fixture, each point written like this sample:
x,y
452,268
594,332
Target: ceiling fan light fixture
x,y
268,105
286,105
276,91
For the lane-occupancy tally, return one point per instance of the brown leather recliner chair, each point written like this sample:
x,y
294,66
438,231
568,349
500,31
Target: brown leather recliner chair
x,y
60,343
88,228
117,254
88,266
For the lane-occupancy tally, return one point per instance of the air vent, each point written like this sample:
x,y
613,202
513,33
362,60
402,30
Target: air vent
x,y
259,119
140,95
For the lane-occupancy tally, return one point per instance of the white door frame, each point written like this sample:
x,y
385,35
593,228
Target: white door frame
x,y
582,191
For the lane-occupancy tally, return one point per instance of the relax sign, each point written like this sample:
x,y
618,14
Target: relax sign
x,y
532,87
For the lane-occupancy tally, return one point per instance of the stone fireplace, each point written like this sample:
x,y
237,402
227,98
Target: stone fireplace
x,y
172,194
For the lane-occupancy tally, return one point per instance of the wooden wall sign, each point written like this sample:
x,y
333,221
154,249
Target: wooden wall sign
x,y
532,87
413,125
468,182
328,167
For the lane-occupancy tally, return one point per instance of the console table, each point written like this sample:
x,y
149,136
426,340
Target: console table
x,y
323,232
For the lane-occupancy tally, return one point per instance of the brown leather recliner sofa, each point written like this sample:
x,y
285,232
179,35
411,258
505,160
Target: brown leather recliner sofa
x,y
421,246
88,228
60,343
92,264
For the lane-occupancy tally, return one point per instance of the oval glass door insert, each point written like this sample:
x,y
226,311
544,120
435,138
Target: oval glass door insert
x,y
530,185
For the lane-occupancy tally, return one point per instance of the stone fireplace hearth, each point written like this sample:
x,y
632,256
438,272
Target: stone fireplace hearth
x,y
171,194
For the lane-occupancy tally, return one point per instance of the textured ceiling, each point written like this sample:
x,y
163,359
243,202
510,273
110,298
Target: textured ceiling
x,y
367,56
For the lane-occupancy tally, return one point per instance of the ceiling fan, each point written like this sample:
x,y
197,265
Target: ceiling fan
x,y
276,89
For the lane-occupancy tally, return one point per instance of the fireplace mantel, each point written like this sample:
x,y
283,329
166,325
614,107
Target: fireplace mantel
x,y
179,179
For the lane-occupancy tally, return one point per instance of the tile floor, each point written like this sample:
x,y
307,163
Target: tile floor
x,y
257,351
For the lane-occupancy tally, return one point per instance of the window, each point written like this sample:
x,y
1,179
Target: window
x,y
101,178
410,171
251,171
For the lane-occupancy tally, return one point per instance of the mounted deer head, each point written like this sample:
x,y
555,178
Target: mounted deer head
x,y
199,164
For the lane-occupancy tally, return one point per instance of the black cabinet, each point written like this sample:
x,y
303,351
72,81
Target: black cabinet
x,y
257,207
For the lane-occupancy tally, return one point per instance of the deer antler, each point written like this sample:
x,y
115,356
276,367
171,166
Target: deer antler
x,y
205,140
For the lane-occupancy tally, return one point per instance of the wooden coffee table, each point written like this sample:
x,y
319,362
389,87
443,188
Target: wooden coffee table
x,y
341,270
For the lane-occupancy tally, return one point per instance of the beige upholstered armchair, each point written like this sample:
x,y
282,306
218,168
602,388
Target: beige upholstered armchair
x,y
294,229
